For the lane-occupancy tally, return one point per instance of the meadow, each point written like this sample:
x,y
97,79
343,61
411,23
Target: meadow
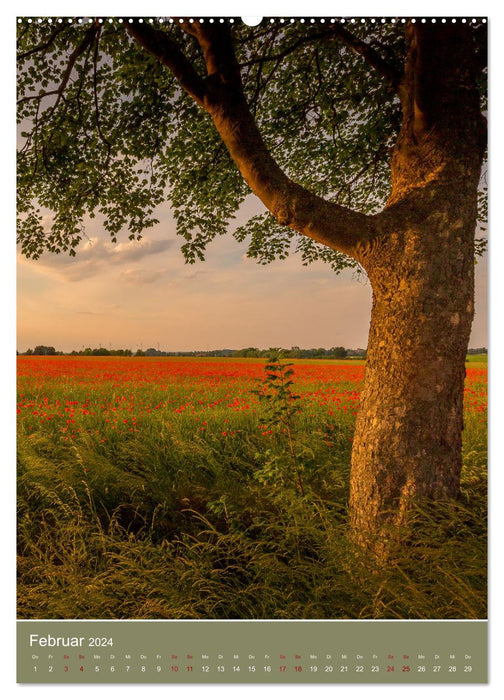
x,y
166,488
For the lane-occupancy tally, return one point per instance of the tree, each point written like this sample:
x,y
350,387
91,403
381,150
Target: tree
x,y
339,352
364,143
44,350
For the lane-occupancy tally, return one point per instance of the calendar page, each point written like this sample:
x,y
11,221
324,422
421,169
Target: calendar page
x,y
252,348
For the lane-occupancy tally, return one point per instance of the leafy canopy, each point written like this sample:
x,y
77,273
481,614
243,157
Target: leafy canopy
x,y
106,129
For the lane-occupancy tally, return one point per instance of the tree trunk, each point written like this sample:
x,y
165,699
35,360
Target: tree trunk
x,y
407,443
408,439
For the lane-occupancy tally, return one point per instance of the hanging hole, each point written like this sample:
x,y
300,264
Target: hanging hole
x,y
251,21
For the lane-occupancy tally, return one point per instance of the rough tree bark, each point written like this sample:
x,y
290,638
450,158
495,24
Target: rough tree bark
x,y
408,439
418,254
407,443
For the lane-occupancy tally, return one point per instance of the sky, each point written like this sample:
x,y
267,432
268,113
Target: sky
x,y
141,294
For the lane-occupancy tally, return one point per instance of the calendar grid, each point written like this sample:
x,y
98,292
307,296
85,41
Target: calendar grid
x,y
311,651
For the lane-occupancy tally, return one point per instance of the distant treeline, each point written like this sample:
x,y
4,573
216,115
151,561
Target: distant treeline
x,y
294,352
337,353
477,351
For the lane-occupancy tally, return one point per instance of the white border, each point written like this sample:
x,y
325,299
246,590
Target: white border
x,y
7,276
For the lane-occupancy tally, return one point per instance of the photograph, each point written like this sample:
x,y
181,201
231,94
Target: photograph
x,y
252,331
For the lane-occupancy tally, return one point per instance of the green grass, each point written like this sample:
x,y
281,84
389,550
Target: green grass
x,y
177,522
480,360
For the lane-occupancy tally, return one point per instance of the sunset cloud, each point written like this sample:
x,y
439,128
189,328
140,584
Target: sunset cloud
x,y
94,256
139,277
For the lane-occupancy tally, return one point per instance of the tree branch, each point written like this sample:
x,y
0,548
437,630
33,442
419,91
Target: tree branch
x,y
325,222
443,76
44,46
288,49
96,100
79,50
162,47
76,53
370,55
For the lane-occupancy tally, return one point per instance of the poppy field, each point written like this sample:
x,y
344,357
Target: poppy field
x,y
190,488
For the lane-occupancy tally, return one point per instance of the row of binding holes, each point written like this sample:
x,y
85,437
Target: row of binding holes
x,y
272,20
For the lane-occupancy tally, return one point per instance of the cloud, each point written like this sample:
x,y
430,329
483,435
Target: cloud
x,y
95,255
190,274
135,250
139,277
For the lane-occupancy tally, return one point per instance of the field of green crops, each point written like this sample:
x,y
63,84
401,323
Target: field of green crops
x,y
166,488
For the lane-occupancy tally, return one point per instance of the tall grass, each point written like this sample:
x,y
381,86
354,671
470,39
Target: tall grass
x,y
177,522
